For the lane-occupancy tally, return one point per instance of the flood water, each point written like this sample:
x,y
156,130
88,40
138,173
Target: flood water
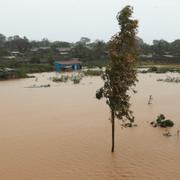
x,y
64,133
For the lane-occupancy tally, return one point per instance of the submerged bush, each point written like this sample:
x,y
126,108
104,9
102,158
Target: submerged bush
x,y
167,123
63,78
170,79
93,72
161,121
161,69
76,81
153,69
77,78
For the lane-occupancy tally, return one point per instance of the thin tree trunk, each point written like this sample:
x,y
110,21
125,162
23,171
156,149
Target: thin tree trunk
x,y
113,129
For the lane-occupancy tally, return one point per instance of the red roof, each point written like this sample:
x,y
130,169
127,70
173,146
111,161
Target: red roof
x,y
70,62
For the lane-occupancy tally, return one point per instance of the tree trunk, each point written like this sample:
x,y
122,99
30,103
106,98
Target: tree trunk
x,y
113,129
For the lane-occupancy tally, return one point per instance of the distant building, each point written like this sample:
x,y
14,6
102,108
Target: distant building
x,y
64,51
9,57
73,64
35,49
168,56
15,53
44,48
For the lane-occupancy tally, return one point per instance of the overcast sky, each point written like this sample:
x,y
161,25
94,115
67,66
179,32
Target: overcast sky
x,y
68,20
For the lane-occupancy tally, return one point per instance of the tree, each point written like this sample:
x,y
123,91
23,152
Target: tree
x,y
99,49
61,44
45,42
161,47
16,43
84,40
120,73
2,39
82,52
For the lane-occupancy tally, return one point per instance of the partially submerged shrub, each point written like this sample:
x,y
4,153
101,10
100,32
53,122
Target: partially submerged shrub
x,y
130,125
160,118
170,79
93,72
153,69
161,121
161,69
76,81
63,78
76,78
167,123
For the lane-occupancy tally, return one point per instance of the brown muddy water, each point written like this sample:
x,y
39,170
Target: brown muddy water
x,y
63,132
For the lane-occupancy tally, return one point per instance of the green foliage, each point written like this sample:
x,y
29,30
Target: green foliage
x,y
35,59
99,93
120,74
160,118
84,40
36,68
161,69
90,53
12,74
167,123
90,72
153,69
63,78
161,121
16,43
76,79
4,52
21,73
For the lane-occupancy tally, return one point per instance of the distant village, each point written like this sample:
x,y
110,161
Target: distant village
x,y
19,55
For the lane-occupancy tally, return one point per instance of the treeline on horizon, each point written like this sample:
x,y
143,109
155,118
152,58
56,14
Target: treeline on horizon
x,y
17,51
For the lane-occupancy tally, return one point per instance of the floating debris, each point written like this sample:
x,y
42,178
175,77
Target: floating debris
x,y
168,134
39,86
150,99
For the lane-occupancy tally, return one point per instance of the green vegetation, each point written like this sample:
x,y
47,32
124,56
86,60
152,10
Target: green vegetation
x,y
90,72
16,50
153,69
7,73
22,71
76,79
161,69
35,68
63,78
120,73
161,121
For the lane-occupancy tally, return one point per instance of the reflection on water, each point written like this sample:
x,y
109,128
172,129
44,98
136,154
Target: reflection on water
x,y
63,132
